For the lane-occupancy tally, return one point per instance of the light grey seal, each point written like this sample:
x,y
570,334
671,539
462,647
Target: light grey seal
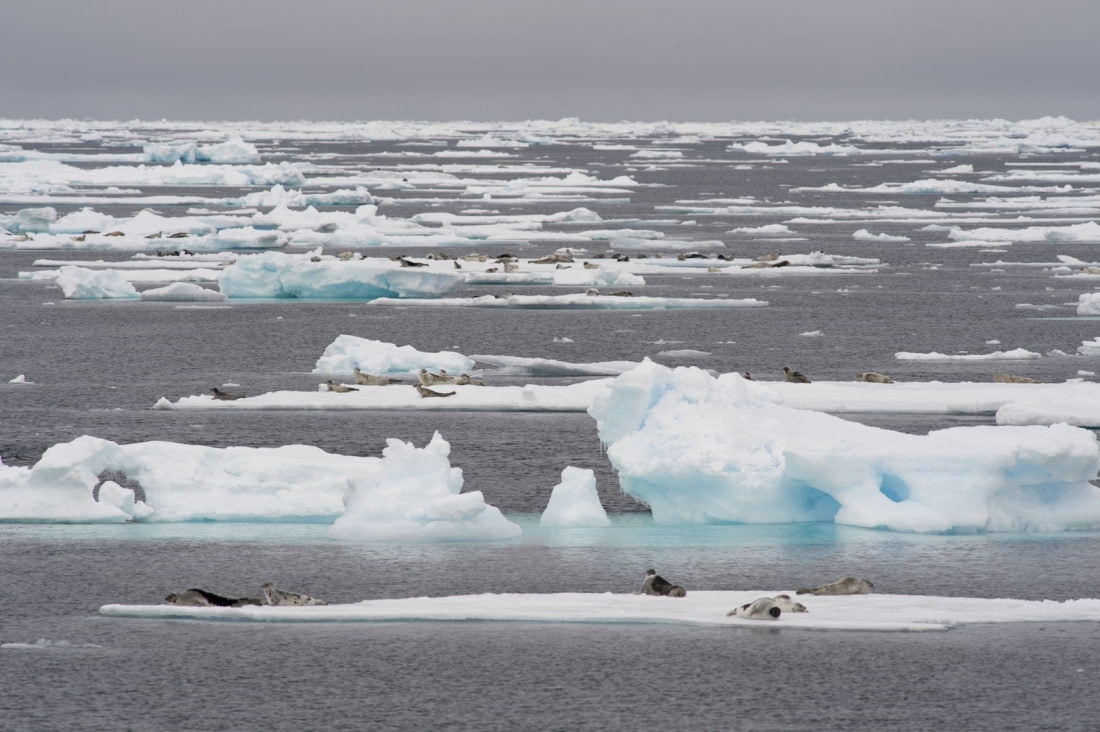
x,y
466,380
426,392
427,378
655,584
371,379
763,608
339,388
787,605
795,377
874,377
846,586
275,596
225,396
195,597
1013,379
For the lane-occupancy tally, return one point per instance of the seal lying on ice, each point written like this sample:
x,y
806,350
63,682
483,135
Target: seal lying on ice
x,y
426,392
366,379
202,598
846,586
787,605
763,608
655,584
275,596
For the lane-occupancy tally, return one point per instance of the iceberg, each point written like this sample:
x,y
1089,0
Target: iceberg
x,y
1088,303
574,502
279,275
700,449
416,498
233,150
183,292
79,283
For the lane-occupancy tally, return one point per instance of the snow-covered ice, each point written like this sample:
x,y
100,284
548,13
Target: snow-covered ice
x,y
349,352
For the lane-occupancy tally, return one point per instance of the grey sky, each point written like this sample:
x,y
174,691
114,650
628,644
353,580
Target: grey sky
x,y
600,60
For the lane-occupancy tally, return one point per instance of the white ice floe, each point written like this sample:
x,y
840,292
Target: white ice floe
x,y
1089,348
578,301
349,352
1088,303
1088,231
804,147
706,608
1016,354
699,449
409,494
865,235
467,398
574,502
233,150
279,275
79,283
524,366
21,379
416,497
183,292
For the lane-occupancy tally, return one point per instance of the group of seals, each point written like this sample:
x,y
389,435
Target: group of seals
x,y
195,597
655,584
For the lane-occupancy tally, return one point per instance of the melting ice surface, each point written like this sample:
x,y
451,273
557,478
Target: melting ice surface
x,y
700,449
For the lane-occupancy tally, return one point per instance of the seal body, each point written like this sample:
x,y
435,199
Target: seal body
x,y
787,605
427,378
874,377
195,597
846,586
224,395
655,584
426,392
371,379
794,377
1013,379
339,388
275,596
764,608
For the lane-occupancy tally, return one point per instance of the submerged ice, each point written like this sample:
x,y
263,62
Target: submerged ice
x,y
700,449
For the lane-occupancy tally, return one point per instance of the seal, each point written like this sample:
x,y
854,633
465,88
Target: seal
x,y
874,377
1013,379
846,586
195,597
763,608
787,605
795,377
655,584
425,392
372,380
427,378
339,388
275,596
225,396
465,380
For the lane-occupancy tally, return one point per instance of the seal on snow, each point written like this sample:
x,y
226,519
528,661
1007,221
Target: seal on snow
x,y
195,597
275,596
763,608
846,586
655,584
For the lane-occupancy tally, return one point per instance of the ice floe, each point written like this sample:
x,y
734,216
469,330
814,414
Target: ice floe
x,y
574,502
704,608
699,449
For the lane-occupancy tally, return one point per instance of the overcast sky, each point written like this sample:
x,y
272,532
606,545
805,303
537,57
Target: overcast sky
x,y
600,60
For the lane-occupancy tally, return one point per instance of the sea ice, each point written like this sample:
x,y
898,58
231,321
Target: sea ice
x,y
1088,303
347,352
79,283
574,502
699,449
1016,354
183,292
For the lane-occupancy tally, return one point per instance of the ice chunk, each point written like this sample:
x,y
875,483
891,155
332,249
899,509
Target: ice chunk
x,y
347,352
1088,303
416,497
79,283
574,502
698,449
183,292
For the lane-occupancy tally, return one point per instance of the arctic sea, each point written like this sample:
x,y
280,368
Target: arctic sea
x,y
97,367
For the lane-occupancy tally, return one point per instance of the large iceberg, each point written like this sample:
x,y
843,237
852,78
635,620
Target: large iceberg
x,y
700,449
279,275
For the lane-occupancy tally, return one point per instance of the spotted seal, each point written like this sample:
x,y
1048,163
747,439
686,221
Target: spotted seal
x,y
427,378
795,377
764,608
224,395
275,596
655,584
1013,379
787,605
339,388
874,377
195,597
846,586
425,392
371,379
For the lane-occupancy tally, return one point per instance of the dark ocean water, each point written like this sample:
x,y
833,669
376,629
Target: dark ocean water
x,y
98,367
